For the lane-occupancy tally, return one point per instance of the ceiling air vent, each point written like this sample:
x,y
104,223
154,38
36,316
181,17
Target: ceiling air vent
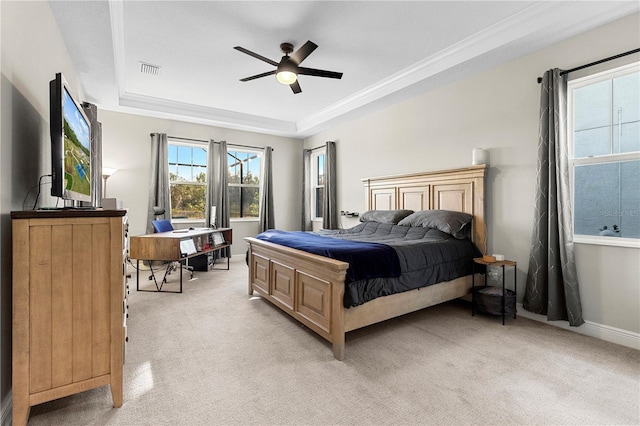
x,y
149,69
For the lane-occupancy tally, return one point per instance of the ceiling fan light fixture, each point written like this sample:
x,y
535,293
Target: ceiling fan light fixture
x,y
287,71
286,77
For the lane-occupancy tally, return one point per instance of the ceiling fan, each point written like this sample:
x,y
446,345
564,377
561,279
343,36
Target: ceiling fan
x,y
288,69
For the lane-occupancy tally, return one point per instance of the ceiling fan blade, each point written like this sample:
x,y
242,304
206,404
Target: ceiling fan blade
x,y
319,73
253,77
295,86
299,55
255,55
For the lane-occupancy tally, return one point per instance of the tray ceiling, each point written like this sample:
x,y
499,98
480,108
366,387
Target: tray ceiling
x,y
175,59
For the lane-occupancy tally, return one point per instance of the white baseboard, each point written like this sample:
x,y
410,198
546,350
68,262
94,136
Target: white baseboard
x,y
599,331
6,418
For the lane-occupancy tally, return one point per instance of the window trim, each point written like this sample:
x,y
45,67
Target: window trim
x,y
597,159
314,179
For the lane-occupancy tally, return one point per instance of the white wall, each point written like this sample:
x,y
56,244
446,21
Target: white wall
x,y
126,146
32,52
496,110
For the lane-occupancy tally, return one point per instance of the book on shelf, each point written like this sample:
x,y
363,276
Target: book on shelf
x,y
218,239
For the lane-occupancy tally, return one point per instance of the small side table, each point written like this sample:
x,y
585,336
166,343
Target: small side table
x,y
502,264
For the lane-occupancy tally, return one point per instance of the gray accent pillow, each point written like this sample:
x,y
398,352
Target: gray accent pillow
x,y
384,216
453,223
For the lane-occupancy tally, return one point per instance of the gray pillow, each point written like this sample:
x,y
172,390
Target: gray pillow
x,y
453,223
384,216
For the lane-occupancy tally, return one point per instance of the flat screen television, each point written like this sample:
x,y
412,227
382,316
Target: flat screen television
x,y
70,144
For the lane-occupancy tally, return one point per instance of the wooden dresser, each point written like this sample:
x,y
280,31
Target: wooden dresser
x,y
69,304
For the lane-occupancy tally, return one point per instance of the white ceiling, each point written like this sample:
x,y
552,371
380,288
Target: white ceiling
x,y
388,51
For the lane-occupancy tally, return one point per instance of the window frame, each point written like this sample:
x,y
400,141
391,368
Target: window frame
x,y
260,154
176,142
314,181
572,85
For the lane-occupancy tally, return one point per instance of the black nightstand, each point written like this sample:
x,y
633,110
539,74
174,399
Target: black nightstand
x,y
485,298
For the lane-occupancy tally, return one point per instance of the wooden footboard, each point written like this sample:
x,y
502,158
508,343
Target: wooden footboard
x,y
310,288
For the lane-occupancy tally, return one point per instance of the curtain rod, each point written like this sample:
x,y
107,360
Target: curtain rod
x,y
630,52
317,147
203,141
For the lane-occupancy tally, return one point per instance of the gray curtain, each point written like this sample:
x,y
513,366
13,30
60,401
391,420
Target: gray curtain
x,y
210,219
159,192
91,112
307,224
552,281
267,220
330,217
220,188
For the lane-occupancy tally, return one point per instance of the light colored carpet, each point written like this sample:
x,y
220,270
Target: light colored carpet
x,y
213,355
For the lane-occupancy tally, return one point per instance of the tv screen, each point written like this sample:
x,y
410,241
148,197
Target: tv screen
x,y
70,144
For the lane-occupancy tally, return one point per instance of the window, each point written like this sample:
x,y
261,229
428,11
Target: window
x,y
604,136
317,181
187,180
244,183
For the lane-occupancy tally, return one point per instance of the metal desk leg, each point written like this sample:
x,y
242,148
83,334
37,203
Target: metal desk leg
x,y
515,287
473,290
504,296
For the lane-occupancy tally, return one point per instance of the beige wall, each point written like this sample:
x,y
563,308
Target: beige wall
x,y
496,110
32,52
126,146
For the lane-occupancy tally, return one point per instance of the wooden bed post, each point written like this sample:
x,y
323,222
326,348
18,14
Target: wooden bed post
x,y
337,320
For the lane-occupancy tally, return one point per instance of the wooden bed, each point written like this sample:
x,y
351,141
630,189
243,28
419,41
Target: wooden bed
x,y
310,288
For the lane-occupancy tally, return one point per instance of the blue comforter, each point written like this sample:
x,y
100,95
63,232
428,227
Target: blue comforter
x,y
401,258
366,259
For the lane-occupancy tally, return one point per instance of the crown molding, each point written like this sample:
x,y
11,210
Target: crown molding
x,y
528,21
164,108
516,26
116,12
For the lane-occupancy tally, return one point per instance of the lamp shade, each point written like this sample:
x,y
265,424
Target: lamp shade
x,y
108,171
287,71
286,77
478,156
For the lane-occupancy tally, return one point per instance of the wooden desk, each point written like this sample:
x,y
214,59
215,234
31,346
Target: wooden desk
x,y
165,246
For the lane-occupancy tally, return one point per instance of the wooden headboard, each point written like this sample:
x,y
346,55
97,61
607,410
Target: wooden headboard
x,y
456,189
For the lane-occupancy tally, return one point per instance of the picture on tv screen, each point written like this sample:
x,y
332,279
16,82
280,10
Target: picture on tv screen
x,y
77,149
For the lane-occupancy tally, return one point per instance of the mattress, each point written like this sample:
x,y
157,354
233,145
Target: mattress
x,y
425,256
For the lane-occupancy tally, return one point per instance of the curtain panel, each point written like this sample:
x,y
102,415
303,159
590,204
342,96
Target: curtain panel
x,y
159,191
212,166
330,217
552,282
267,218
96,154
307,224
220,188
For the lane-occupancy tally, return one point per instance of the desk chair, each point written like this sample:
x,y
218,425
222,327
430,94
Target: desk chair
x,y
161,225
164,225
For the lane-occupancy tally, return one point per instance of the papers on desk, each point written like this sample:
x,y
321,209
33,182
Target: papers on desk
x,y
187,247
